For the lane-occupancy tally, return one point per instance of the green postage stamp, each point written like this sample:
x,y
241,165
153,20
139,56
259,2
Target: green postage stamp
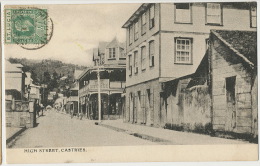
x,y
26,26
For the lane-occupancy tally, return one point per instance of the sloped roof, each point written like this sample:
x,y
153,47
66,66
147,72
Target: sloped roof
x,y
77,73
18,65
201,74
136,14
122,45
102,47
243,43
113,43
9,67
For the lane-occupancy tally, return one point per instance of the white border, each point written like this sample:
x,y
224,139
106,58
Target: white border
x,y
24,2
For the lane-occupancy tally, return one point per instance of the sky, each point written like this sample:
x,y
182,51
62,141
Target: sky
x,y
77,30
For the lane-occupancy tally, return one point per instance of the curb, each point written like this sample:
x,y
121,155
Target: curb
x,y
139,135
15,135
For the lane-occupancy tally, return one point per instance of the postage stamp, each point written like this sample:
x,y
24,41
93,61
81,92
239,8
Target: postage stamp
x,y
26,26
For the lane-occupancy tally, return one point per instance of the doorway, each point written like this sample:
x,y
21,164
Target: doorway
x,y
231,103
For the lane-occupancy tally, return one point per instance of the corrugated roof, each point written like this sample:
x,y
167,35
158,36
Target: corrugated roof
x,y
243,43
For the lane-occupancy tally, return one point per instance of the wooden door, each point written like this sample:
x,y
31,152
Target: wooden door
x,y
231,104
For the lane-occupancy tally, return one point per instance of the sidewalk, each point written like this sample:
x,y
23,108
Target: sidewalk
x,y
12,132
165,136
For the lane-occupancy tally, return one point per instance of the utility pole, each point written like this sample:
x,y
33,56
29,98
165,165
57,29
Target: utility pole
x,y
99,93
99,96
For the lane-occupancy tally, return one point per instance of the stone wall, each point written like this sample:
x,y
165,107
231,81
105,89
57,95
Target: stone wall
x,y
20,116
188,109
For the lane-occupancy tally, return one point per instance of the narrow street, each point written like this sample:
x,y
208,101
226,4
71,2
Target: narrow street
x,y
59,130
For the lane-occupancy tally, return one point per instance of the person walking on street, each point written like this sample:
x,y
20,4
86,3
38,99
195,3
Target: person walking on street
x,y
71,113
38,109
42,108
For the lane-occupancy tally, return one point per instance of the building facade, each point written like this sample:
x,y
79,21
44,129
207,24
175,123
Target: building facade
x,y
109,60
15,80
233,75
167,41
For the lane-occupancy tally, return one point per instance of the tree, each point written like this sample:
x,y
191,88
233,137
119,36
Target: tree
x,y
34,77
46,77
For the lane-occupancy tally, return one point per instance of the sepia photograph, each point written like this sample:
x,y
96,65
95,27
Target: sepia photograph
x,y
130,78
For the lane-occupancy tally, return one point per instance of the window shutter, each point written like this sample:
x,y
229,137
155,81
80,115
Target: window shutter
x,y
135,107
152,105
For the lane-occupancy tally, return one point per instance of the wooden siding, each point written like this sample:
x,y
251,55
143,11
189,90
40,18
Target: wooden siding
x,y
226,64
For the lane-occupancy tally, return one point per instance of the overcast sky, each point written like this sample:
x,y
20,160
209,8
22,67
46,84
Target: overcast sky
x,y
77,30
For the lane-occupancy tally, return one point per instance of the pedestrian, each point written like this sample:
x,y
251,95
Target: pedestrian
x,y
71,113
42,107
81,115
38,109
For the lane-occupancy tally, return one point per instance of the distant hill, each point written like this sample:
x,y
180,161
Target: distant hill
x,y
38,67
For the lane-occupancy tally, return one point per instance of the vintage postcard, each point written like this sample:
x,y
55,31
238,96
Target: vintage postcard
x,y
130,82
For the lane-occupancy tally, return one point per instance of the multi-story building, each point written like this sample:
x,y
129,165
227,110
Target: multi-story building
x,y
166,41
109,60
14,81
72,101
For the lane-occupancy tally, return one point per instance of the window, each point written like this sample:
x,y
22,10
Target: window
x,y
136,31
151,53
253,15
122,53
151,17
143,57
130,65
183,50
183,13
136,61
131,34
112,52
143,29
214,13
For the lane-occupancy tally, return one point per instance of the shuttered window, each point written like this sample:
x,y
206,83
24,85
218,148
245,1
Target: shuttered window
x,y
151,53
136,61
151,17
136,30
143,29
214,13
143,57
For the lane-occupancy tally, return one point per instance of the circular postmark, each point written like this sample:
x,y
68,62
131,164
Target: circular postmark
x,y
31,28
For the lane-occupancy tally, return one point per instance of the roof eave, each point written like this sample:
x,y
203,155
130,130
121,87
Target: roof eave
x,y
136,14
233,49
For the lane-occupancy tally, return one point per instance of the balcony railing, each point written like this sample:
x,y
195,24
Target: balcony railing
x,y
117,84
104,84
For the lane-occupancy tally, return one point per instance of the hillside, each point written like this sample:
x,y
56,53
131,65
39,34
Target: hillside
x,y
38,67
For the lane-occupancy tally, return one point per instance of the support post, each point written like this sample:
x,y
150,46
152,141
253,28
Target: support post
x,y
99,97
